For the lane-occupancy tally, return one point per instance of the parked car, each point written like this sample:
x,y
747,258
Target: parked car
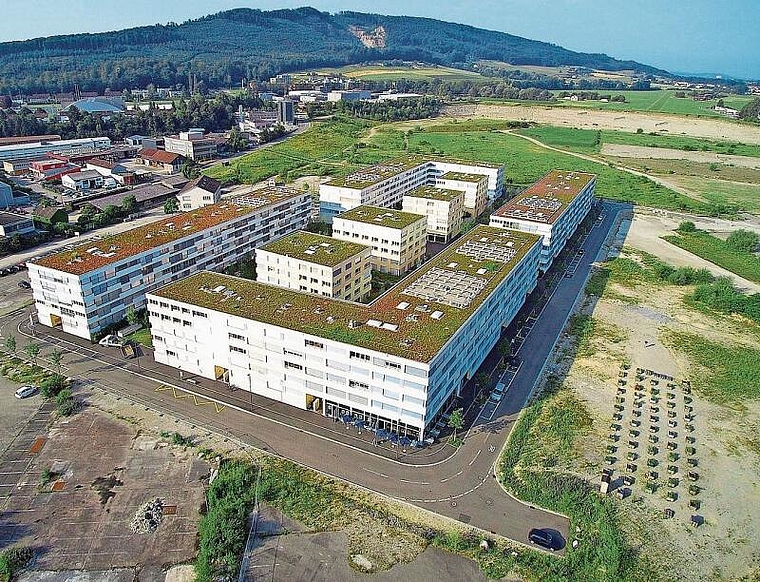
x,y
24,284
25,391
4,272
543,538
111,341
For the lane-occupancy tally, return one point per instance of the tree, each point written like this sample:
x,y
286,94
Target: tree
x,y
171,206
191,170
10,344
456,421
33,350
132,317
128,204
236,142
55,359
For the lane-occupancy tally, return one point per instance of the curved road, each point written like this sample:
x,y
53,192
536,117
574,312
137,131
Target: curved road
x,y
459,484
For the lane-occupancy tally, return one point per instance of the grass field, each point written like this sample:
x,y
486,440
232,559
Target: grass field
x,y
717,251
396,72
590,141
689,168
660,102
739,194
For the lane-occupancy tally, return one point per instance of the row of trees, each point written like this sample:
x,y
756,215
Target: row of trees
x,y
414,108
214,114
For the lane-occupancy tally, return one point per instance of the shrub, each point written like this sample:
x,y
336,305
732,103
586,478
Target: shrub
x,y
743,241
65,403
51,386
12,560
686,226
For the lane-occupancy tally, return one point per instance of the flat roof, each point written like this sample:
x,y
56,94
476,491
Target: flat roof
x,y
315,248
94,255
7,218
85,175
413,320
463,177
435,193
377,173
380,216
547,199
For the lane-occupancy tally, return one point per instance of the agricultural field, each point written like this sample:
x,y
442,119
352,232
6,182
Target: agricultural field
x,y
663,101
397,72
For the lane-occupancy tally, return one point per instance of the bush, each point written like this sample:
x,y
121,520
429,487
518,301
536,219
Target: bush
x,y
687,226
743,241
65,403
722,296
12,560
50,387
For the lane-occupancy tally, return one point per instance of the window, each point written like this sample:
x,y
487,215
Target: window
x,y
312,344
171,353
236,337
359,385
199,314
238,350
291,353
293,366
358,356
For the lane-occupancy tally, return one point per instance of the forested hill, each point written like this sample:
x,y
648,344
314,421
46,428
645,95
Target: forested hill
x,y
224,48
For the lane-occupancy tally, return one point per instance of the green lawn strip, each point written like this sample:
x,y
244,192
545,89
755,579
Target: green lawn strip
x,y
540,441
323,149
715,250
142,337
724,373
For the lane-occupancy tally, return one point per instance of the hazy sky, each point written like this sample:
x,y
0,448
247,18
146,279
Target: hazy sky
x,y
700,36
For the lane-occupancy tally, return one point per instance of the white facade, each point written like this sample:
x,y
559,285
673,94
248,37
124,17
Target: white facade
x,y
63,147
349,278
278,360
444,214
555,230
83,300
386,184
395,249
475,190
203,191
86,180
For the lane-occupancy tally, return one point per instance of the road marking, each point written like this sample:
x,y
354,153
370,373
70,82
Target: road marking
x,y
414,482
376,473
454,475
196,400
475,457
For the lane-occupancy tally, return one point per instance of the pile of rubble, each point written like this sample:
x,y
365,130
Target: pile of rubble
x,y
147,517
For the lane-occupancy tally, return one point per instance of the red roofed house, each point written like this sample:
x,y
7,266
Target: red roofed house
x,y
166,161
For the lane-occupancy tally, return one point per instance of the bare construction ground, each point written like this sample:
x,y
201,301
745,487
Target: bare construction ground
x,y
630,151
631,327
615,120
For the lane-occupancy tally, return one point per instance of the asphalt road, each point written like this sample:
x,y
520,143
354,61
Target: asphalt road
x,y
456,483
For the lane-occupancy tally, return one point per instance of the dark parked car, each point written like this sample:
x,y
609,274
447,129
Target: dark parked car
x,y
24,284
543,538
4,272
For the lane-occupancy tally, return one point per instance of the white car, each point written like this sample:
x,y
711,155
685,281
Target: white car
x,y
25,391
111,341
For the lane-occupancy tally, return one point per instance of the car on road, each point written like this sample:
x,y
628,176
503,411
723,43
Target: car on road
x,y
542,538
111,341
24,284
581,252
25,391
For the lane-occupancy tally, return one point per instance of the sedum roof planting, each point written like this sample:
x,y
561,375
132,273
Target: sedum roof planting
x,y
463,177
96,254
413,320
380,216
547,199
434,193
315,248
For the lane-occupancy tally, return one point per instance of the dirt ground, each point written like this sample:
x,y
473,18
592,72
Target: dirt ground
x,y
616,120
630,151
726,546
647,229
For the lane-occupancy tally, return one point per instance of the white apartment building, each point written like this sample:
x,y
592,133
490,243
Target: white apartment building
x,y
62,147
85,290
396,362
203,191
192,144
444,210
385,184
553,207
474,186
313,263
398,239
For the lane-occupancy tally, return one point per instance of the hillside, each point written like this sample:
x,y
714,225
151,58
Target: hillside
x,y
223,48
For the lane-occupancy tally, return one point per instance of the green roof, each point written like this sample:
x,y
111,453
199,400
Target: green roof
x,y
462,177
370,175
380,216
413,320
315,248
433,193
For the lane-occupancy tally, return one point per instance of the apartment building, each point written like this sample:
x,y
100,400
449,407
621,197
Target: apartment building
x,y
474,186
444,210
553,207
396,362
192,144
202,191
85,290
386,184
397,238
313,263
